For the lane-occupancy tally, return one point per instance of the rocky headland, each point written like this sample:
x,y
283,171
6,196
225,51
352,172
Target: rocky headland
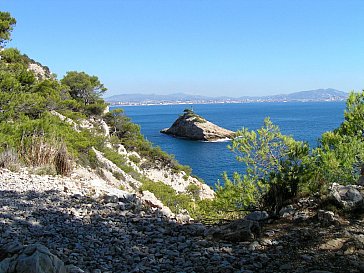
x,y
194,127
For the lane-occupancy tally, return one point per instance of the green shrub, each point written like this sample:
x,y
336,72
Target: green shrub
x,y
194,191
275,164
48,169
118,176
134,159
168,196
94,109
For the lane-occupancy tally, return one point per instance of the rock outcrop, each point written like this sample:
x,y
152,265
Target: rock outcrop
x,y
349,196
34,258
195,127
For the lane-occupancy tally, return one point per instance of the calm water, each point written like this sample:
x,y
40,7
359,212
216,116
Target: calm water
x,y
304,121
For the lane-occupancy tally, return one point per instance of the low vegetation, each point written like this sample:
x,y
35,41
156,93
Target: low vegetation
x,y
176,202
189,113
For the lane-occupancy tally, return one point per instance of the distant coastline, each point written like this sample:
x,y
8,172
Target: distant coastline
x,y
212,102
318,95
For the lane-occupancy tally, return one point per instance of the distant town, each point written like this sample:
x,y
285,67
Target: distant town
x,y
318,95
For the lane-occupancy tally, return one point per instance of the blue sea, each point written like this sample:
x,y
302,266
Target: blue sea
x,y
303,121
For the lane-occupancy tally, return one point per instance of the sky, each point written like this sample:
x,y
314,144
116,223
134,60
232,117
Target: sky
x,y
204,47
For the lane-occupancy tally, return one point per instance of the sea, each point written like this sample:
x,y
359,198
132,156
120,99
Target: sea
x,y
304,121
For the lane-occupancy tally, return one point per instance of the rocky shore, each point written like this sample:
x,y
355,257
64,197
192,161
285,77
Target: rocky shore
x,y
195,127
94,231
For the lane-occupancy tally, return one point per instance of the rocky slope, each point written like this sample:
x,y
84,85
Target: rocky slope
x,y
192,126
87,228
156,172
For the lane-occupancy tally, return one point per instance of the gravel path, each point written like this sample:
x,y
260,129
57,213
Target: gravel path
x,y
124,236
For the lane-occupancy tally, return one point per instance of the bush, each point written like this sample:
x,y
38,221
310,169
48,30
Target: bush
x,y
168,196
94,109
194,191
118,176
134,159
275,163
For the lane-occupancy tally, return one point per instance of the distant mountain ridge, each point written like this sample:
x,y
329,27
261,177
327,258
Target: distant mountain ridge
x,y
328,94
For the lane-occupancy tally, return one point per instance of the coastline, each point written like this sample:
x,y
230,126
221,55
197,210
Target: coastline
x,y
216,102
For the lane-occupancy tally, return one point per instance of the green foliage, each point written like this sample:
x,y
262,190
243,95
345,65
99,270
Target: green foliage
x,y
189,113
236,194
194,191
83,87
337,160
168,196
353,124
340,153
134,159
95,109
232,200
7,24
116,158
275,167
118,176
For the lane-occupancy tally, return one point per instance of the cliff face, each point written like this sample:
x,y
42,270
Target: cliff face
x,y
195,127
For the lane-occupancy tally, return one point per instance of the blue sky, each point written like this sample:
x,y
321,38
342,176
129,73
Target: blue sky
x,y
201,47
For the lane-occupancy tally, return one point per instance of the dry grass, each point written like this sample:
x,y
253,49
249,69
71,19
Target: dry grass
x,y
38,151
63,162
9,159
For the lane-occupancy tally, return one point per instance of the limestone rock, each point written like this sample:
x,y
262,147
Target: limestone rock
x,y
326,217
334,244
195,127
257,216
237,231
347,196
287,211
34,258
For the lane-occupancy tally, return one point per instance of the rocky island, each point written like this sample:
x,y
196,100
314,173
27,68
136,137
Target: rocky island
x,y
194,127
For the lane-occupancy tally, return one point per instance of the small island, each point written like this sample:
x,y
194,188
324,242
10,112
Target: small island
x,y
194,127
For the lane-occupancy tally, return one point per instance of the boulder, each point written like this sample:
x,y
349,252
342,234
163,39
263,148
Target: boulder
x,y
288,211
195,127
347,196
34,258
326,217
238,231
257,216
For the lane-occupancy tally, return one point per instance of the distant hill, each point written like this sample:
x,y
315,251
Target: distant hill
x,y
310,95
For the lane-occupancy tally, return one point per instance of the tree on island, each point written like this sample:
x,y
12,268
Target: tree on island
x,y
7,24
83,86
